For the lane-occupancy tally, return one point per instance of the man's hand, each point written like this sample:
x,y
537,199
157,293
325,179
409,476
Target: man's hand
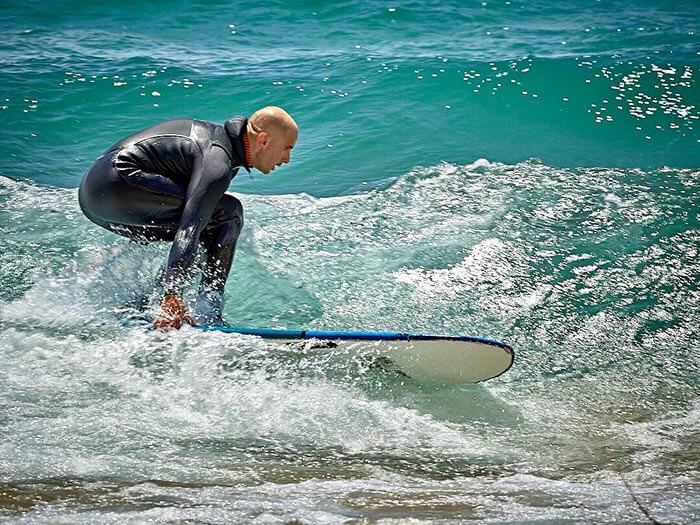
x,y
173,312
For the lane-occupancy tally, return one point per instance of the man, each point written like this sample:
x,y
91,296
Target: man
x,y
168,183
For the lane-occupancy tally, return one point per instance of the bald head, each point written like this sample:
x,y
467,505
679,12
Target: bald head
x,y
272,133
272,119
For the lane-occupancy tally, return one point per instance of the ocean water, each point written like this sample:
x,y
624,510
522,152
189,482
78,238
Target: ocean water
x,y
527,171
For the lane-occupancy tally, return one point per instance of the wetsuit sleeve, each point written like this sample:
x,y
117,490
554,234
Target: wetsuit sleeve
x,y
211,175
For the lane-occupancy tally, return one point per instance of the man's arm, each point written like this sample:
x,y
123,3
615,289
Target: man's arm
x,y
211,176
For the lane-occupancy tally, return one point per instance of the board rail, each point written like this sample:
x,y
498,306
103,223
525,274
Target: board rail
x,y
276,333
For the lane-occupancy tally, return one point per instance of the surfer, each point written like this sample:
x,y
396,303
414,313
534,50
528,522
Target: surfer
x,y
168,183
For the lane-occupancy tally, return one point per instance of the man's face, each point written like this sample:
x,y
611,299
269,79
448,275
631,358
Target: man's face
x,y
276,149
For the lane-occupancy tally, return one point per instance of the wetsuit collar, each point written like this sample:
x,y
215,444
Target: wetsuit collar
x,y
236,130
246,148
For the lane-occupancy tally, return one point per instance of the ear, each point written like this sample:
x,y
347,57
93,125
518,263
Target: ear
x,y
261,139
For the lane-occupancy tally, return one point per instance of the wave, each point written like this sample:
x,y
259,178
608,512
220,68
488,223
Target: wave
x,y
590,273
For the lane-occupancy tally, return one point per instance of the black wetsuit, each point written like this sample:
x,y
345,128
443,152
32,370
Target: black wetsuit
x,y
167,183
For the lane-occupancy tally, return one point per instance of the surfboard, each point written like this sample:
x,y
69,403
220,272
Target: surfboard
x,y
443,359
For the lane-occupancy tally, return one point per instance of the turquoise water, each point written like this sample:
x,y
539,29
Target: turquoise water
x,y
527,171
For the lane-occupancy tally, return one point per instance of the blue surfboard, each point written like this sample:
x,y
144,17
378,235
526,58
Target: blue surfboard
x,y
444,359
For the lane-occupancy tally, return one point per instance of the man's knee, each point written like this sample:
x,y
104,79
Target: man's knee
x,y
227,221
233,209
